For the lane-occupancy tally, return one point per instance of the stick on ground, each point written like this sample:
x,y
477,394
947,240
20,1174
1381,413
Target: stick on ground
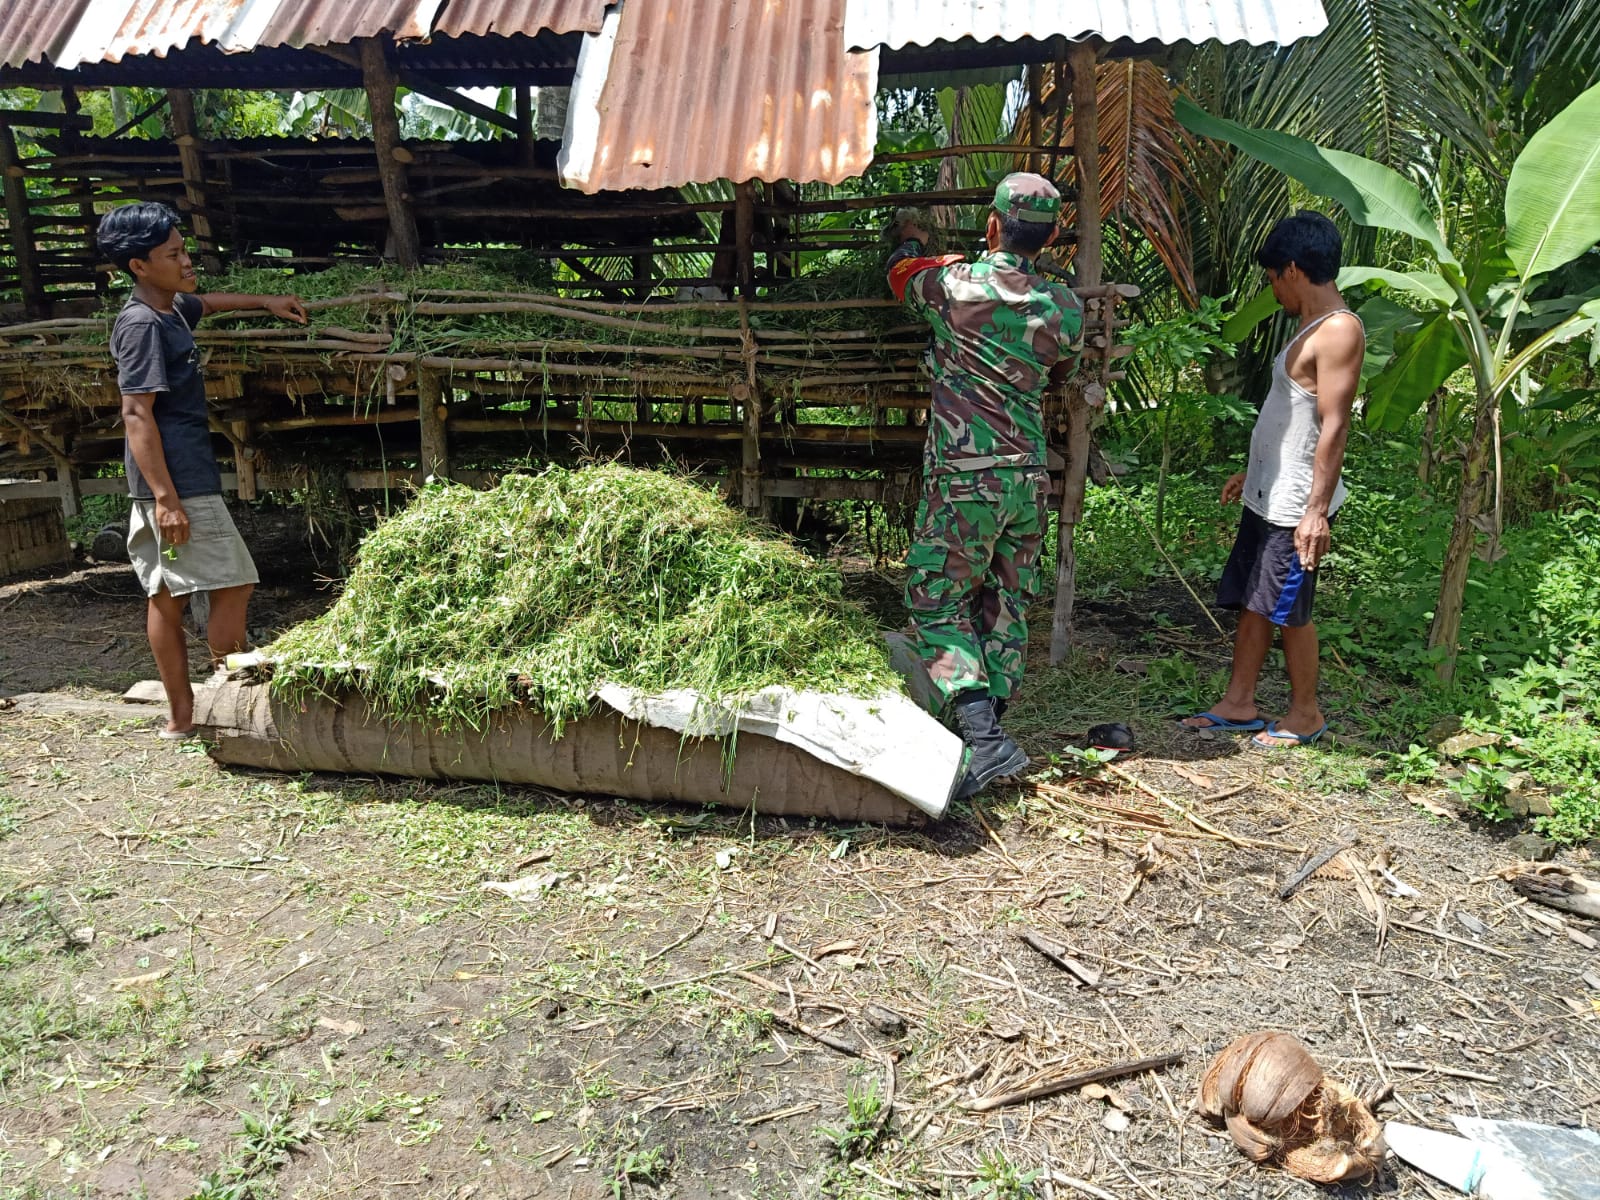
x,y
1067,1083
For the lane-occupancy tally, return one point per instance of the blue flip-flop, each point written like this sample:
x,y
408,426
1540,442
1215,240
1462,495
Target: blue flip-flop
x,y
1224,724
1284,736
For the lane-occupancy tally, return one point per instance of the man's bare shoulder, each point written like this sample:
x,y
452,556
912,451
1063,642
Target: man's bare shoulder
x,y
1340,338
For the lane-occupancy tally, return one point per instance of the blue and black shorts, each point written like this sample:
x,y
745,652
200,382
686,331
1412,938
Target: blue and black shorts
x,y
1264,574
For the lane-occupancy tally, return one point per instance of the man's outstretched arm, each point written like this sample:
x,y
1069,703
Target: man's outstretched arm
x,y
285,308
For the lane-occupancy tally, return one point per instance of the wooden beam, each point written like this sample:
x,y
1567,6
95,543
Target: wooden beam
x,y
454,99
44,120
1083,58
139,117
433,91
187,132
30,284
378,78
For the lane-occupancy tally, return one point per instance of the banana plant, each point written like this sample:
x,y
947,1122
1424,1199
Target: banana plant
x,y
1552,212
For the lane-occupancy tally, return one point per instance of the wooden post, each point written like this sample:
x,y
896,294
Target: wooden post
x,y
431,414
748,396
744,235
1062,74
72,139
524,118
377,75
23,250
244,459
181,102
70,486
1086,152
1036,115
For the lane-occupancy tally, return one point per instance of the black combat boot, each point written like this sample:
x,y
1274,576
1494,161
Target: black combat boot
x,y
993,753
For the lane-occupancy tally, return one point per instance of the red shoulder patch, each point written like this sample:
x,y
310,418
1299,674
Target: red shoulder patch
x,y
900,274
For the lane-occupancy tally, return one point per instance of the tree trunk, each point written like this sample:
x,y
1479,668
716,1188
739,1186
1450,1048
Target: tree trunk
x,y
378,78
1446,629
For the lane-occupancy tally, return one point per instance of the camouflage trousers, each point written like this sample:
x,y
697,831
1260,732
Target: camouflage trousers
x,y
974,564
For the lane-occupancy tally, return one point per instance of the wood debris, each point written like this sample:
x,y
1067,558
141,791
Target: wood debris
x,y
1557,887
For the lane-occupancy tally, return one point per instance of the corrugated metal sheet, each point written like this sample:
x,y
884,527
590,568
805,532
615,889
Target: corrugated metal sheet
x,y
896,23
336,22
33,30
110,30
689,91
506,17
71,33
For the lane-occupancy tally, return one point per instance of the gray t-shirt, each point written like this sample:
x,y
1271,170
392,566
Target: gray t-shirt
x,y
155,352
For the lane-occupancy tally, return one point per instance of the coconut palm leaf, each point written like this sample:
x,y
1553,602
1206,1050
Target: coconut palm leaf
x,y
1356,87
1547,52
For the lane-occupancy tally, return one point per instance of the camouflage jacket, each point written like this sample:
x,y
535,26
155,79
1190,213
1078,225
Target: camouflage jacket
x,y
998,330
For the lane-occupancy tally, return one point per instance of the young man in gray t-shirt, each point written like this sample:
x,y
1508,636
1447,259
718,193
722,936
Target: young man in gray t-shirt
x,y
181,539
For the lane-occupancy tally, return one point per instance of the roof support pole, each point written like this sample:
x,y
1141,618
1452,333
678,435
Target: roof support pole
x,y
23,250
71,140
377,75
524,120
184,125
1082,57
433,414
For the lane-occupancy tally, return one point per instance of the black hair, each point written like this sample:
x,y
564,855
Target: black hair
x,y
1026,238
1308,240
133,230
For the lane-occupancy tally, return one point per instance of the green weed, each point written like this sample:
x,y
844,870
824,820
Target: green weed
x,y
861,1131
1000,1179
639,1166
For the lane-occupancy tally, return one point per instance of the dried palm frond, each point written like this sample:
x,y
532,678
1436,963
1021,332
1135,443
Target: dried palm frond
x,y
1142,157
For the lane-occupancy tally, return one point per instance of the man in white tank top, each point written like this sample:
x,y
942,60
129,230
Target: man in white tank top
x,y
1291,487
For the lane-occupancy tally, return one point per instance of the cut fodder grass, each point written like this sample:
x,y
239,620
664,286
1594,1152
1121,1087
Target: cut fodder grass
x,y
541,590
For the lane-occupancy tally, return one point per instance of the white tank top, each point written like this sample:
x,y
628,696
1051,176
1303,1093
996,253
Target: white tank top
x,y
1283,446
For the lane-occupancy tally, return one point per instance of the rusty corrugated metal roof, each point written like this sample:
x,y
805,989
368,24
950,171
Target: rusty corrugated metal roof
x,y
70,33
110,30
337,22
689,91
506,17
896,23
34,30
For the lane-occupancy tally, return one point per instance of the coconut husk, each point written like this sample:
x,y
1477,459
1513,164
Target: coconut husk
x,y
1278,1106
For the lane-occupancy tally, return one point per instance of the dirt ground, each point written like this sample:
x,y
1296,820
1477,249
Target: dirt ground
x,y
220,983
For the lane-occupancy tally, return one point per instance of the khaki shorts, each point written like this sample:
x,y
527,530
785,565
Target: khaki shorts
x,y
213,558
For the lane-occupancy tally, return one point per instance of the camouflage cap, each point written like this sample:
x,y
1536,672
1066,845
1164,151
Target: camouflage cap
x,y
1028,197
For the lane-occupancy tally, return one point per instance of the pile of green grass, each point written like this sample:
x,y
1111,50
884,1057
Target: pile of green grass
x,y
468,603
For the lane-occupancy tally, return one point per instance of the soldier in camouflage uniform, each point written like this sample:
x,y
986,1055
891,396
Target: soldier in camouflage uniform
x,y
1001,334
